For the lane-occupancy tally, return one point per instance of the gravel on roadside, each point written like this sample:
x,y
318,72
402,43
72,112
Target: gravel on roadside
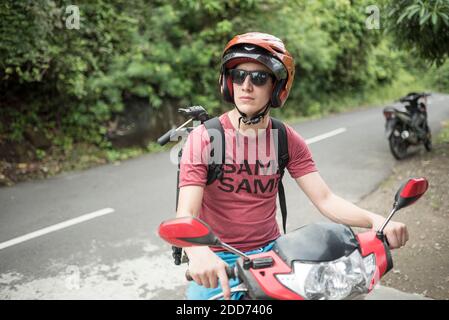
x,y
422,266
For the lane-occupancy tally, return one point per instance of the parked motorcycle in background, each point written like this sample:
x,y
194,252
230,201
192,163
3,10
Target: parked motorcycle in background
x,y
406,124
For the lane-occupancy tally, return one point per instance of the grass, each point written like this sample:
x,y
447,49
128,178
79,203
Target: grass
x,y
443,136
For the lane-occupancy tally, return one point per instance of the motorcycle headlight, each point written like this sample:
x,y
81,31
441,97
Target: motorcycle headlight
x,y
335,280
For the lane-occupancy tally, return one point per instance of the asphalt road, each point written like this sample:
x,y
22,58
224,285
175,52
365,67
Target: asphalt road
x,y
117,255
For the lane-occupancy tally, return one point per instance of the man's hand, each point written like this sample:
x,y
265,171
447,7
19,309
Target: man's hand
x,y
396,232
205,267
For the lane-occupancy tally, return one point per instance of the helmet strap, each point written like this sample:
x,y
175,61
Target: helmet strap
x,y
254,119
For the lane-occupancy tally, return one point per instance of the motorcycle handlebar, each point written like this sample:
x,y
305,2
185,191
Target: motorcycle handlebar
x,y
414,96
381,236
230,272
166,137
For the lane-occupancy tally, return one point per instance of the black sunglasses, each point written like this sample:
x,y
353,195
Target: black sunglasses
x,y
258,78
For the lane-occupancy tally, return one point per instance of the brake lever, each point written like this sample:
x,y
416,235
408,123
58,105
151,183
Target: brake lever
x,y
196,112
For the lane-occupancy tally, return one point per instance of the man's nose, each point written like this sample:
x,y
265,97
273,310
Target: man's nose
x,y
247,84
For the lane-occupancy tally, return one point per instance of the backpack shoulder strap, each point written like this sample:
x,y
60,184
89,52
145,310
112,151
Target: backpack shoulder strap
x,y
282,155
283,158
215,170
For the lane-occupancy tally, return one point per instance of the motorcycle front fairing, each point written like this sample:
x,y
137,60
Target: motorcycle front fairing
x,y
371,244
311,251
262,283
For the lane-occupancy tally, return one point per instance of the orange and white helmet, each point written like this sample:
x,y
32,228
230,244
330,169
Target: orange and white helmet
x,y
262,48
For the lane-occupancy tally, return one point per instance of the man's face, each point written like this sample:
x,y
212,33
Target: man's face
x,y
248,97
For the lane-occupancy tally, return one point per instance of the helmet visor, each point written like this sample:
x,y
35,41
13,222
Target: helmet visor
x,y
235,55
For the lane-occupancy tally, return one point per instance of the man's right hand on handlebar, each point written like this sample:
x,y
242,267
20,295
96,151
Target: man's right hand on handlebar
x,y
205,267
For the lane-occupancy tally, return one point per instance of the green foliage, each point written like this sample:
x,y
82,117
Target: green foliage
x,y
443,135
159,55
40,154
439,77
165,52
422,26
336,55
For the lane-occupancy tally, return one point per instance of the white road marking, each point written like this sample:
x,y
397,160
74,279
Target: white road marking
x,y
325,135
56,227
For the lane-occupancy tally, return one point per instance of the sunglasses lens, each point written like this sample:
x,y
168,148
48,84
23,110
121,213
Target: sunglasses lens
x,y
259,78
238,76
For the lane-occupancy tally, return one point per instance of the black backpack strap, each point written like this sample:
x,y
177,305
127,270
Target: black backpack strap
x,y
282,156
215,170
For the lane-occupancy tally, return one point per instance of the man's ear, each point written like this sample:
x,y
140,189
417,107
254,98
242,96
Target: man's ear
x,y
276,95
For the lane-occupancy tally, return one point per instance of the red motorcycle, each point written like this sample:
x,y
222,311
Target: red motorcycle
x,y
319,261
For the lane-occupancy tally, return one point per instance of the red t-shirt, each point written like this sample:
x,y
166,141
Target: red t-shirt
x,y
241,208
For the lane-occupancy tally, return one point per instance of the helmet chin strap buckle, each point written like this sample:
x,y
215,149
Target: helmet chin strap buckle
x,y
254,119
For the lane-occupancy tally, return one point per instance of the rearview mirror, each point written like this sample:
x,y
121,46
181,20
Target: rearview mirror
x,y
407,194
410,191
187,232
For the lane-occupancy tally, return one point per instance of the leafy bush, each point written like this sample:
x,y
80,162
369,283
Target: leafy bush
x,y
130,65
422,26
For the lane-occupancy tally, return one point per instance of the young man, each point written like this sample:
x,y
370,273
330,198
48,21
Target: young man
x,y
256,74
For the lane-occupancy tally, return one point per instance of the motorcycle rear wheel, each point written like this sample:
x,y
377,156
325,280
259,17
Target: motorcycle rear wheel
x,y
398,147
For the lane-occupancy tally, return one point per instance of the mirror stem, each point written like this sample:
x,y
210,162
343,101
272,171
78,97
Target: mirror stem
x,y
183,125
233,250
381,230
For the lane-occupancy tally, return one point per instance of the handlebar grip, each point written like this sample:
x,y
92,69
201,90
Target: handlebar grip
x,y
165,138
229,272
381,236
